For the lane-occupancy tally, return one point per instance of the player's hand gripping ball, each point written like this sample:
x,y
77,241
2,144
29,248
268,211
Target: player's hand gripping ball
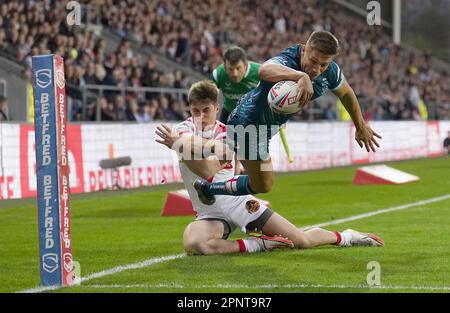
x,y
282,97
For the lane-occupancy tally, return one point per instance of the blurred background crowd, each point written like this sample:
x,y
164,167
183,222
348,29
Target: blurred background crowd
x,y
393,82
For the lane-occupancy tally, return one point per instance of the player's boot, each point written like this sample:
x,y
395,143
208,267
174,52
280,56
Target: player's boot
x,y
270,243
200,185
352,237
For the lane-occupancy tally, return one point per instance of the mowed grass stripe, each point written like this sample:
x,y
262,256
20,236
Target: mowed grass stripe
x,y
115,229
153,261
408,259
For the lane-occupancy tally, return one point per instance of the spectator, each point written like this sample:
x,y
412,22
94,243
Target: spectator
x,y
4,115
115,78
195,32
180,80
100,70
135,81
378,113
372,55
3,43
152,112
183,49
132,109
179,110
447,143
90,78
148,72
166,110
106,110
120,109
413,96
143,114
330,112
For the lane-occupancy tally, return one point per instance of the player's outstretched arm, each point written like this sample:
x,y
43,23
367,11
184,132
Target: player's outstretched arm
x,y
203,157
205,168
196,146
274,72
364,135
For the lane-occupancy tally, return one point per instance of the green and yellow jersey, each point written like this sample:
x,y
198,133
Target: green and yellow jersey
x,y
231,91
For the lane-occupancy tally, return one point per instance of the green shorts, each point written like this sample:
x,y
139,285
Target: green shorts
x,y
248,138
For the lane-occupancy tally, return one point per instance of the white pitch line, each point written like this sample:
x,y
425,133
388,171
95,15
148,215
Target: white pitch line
x,y
388,210
39,289
268,286
147,286
132,266
152,261
112,271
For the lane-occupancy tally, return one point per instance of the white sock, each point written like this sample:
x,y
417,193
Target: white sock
x,y
253,245
345,239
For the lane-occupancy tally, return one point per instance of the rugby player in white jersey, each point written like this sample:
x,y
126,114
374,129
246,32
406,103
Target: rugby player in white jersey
x,y
214,223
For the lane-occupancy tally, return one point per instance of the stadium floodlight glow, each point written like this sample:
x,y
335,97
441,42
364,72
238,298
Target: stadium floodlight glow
x,y
55,245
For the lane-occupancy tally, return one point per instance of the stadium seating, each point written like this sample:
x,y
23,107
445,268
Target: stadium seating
x,y
391,81
381,73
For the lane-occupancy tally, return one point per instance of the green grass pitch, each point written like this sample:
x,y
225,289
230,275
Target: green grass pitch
x,y
111,229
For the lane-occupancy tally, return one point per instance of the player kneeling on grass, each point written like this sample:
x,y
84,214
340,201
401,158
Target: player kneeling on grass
x,y
214,223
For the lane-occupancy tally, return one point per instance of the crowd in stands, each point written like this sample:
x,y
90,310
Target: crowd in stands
x,y
391,81
4,110
39,27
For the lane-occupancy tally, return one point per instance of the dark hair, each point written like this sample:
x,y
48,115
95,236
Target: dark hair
x,y
235,54
203,91
325,42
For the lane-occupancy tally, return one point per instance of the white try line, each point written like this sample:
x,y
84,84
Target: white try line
x,y
111,271
267,286
387,210
149,262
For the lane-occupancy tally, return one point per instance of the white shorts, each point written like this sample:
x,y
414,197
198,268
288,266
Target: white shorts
x,y
249,215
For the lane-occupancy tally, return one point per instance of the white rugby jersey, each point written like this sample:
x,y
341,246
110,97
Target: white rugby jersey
x,y
217,132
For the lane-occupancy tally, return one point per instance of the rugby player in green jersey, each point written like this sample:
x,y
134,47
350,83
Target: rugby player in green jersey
x,y
235,77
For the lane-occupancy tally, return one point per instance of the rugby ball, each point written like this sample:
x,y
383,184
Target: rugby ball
x,y
281,97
